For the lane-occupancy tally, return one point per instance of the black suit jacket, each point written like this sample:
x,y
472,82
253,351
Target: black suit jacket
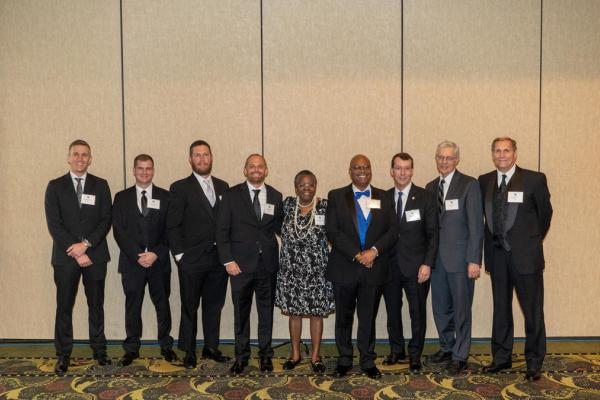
x,y
526,223
417,241
191,223
69,224
342,231
134,232
241,237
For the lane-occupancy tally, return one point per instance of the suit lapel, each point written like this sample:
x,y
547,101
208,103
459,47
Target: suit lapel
x,y
411,203
245,193
89,188
489,201
515,185
70,188
349,197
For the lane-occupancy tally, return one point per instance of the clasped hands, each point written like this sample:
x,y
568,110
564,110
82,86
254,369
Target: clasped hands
x,y
77,251
366,257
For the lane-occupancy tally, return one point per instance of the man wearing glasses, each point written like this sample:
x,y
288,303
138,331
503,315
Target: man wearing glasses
x,y
458,261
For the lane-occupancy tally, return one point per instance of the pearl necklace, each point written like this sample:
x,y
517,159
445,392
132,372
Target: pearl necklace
x,y
298,229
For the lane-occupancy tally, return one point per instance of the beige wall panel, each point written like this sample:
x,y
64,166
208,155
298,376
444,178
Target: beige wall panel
x,y
471,73
332,89
192,71
570,142
59,80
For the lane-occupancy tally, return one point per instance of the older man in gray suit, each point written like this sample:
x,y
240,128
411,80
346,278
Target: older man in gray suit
x,y
458,260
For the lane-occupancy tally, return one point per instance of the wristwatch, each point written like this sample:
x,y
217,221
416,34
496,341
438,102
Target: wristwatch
x,y
86,242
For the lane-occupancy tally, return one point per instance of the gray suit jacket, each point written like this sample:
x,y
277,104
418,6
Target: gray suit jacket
x,y
461,231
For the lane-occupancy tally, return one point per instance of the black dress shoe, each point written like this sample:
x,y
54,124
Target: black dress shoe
x,y
102,359
495,368
414,363
290,363
439,357
266,365
214,355
189,361
394,358
533,375
238,367
127,359
372,372
455,367
317,366
169,355
342,370
62,365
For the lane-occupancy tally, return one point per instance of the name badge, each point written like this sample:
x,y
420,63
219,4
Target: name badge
x,y
319,220
269,209
374,203
154,203
88,199
515,197
451,204
412,215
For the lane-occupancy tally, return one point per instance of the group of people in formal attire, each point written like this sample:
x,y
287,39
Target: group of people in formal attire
x,y
340,255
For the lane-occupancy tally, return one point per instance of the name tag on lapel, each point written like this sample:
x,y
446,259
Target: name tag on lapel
x,y
412,215
319,220
154,203
451,204
374,204
88,199
515,197
269,209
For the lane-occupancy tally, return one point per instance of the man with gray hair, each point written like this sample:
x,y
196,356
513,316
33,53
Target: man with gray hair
x,y
458,261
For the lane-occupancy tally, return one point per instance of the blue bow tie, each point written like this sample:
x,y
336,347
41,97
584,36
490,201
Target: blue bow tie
x,y
358,195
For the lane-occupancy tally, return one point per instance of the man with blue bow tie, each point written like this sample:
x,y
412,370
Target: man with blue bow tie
x,y
361,228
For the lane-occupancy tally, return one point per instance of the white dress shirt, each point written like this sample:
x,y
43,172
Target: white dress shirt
x,y
508,174
138,192
363,202
262,196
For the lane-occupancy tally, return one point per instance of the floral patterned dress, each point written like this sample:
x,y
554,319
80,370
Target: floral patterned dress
x,y
301,285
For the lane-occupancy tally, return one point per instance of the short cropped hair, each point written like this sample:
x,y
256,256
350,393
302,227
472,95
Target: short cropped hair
x,y
512,141
253,155
302,174
199,143
142,157
404,157
447,143
79,142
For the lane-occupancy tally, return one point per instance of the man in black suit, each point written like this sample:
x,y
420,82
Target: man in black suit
x,y
248,220
78,209
360,224
413,257
191,223
139,227
517,218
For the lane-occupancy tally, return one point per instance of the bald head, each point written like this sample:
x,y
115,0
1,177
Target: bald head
x,y
360,171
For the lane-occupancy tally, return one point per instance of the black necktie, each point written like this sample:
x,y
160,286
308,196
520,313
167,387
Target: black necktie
x,y
399,207
144,203
441,197
79,190
256,203
499,208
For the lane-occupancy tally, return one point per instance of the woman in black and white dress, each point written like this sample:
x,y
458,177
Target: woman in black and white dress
x,y
302,290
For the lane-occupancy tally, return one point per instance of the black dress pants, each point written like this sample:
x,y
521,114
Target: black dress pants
x,y
159,287
66,278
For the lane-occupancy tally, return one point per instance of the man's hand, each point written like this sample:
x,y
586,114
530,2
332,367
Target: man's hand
x,y
83,260
233,269
424,273
77,249
474,270
147,259
366,257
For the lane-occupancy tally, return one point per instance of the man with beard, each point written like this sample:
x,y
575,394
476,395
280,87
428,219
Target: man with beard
x,y
191,232
360,225
248,220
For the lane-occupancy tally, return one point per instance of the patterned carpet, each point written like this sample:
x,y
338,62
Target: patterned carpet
x,y
566,376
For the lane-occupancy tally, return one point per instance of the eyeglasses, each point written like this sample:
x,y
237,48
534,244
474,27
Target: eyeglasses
x,y
360,167
448,158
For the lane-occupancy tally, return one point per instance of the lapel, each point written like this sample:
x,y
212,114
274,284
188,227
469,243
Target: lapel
x,y
489,200
267,217
453,190
246,199
70,189
411,202
515,185
349,197
200,193
89,188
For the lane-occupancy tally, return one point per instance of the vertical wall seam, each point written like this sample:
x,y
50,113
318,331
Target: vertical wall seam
x,y
122,96
262,102
402,75
540,94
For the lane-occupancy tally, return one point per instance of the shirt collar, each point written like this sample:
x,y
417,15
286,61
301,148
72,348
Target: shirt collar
x,y
251,188
448,178
148,189
355,189
201,179
83,177
508,173
405,191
